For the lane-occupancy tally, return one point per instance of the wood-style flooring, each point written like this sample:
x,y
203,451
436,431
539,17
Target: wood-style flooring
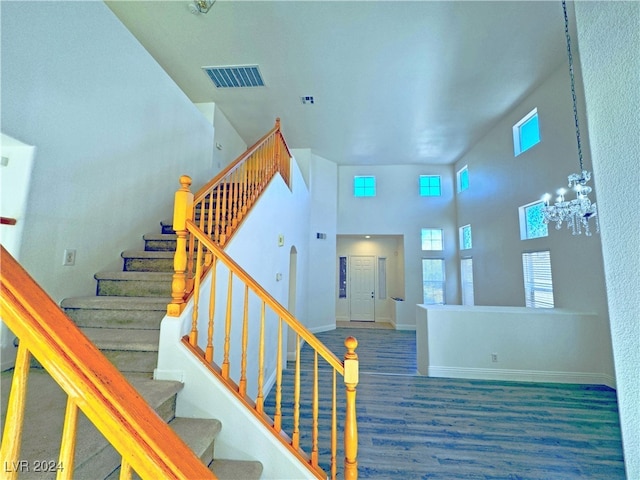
x,y
415,427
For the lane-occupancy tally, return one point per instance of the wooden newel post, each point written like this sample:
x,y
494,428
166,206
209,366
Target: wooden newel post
x,y
182,211
350,423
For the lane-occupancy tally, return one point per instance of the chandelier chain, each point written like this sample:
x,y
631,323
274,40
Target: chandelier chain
x,y
573,88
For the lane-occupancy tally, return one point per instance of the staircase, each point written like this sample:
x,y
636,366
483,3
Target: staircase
x,y
123,321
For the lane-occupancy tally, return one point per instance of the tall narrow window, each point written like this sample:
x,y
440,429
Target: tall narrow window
x,y
532,222
430,186
432,239
526,133
465,237
364,186
463,178
466,279
538,284
433,281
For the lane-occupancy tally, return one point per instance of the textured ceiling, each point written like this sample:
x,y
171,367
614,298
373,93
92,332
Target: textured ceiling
x,y
393,82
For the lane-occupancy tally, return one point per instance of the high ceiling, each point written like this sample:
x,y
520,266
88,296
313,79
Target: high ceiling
x,y
393,82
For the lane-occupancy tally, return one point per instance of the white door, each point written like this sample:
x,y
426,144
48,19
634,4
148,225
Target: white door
x,y
362,279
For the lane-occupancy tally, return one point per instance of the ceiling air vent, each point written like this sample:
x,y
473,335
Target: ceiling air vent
x,y
235,76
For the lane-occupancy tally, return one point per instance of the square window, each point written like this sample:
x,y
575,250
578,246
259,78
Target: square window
x,y
463,179
532,222
430,186
432,239
433,281
538,284
364,186
526,133
465,237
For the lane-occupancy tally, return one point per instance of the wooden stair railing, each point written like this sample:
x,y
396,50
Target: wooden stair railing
x,y
203,223
93,385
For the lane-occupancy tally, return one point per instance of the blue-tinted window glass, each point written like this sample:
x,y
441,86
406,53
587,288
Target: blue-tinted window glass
x,y
364,186
463,179
430,186
534,221
432,239
529,133
465,237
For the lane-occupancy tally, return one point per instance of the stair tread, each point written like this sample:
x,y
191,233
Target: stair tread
x,y
236,469
197,433
117,303
134,276
123,339
147,254
160,236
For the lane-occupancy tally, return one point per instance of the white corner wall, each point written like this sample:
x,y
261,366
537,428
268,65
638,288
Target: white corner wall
x,y
112,132
609,42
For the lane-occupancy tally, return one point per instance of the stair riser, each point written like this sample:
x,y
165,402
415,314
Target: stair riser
x,y
148,265
134,288
160,245
138,319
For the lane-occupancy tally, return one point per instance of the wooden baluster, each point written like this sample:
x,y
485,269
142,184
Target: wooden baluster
x,y
183,211
277,153
314,413
216,225
14,420
68,443
351,377
254,178
334,428
208,354
236,185
245,337
223,213
295,435
193,334
125,470
227,329
277,417
229,207
245,188
260,396
210,215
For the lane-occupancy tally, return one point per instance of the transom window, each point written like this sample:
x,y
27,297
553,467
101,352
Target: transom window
x,y
364,186
526,133
538,284
430,186
432,239
532,222
465,237
463,179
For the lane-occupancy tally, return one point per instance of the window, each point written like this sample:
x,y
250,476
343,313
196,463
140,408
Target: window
x,y
532,222
342,283
526,133
465,237
433,281
364,186
432,239
466,279
430,186
463,179
538,285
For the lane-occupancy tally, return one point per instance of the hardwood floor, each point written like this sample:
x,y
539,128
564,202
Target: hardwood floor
x,y
414,427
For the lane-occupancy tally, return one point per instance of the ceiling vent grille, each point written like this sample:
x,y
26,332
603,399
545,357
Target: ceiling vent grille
x,y
235,76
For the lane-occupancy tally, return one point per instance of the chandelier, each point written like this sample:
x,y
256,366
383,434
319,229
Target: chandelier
x,y
578,211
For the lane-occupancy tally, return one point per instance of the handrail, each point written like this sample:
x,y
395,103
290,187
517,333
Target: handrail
x,y
92,383
208,252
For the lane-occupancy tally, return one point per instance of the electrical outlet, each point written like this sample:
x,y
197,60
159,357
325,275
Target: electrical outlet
x,y
494,357
69,258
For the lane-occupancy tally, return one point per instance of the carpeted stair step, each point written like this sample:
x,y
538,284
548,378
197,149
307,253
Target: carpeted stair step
x,y
134,284
160,242
129,350
116,312
144,261
236,469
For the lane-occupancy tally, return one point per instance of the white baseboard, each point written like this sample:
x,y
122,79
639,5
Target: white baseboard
x,y
323,328
522,375
404,326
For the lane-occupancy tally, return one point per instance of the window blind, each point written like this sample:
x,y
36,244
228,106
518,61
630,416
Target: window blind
x,y
538,284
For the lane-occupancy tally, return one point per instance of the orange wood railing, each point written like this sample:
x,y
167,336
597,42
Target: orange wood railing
x,y
94,386
203,223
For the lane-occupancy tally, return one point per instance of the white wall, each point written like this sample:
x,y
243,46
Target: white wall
x,y
398,209
530,344
609,42
113,134
228,144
